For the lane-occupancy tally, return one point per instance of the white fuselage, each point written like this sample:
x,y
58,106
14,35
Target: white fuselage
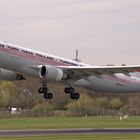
x,y
17,59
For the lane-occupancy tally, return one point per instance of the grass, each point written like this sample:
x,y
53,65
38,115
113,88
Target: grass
x,y
68,122
71,122
78,137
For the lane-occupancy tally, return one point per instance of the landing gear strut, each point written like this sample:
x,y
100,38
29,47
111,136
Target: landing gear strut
x,y
71,91
44,90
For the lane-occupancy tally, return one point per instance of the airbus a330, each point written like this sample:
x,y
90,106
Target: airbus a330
x,y
18,63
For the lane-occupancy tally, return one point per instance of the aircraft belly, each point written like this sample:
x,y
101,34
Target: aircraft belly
x,y
82,83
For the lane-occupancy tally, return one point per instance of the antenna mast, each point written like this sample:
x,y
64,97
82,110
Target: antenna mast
x,y
76,57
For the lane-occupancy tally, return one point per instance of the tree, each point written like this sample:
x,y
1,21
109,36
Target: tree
x,y
116,103
43,109
83,106
8,92
102,102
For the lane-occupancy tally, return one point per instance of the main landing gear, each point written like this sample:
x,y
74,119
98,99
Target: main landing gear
x,y
71,91
48,95
44,90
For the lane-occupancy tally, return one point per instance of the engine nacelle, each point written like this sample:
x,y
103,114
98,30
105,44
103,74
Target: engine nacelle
x,y
52,73
9,75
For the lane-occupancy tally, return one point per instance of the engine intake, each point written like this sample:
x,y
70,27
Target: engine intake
x,y
52,73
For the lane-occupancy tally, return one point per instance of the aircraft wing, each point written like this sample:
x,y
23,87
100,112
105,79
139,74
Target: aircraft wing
x,y
82,72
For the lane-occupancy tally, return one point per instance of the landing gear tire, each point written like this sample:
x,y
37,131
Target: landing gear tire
x,y
69,90
75,96
40,90
48,96
44,90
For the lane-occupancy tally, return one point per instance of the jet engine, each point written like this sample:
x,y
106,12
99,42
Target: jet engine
x,y
52,73
9,75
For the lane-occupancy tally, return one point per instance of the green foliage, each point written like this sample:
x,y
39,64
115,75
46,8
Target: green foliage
x,y
8,94
8,87
116,103
44,108
24,94
102,102
83,106
68,122
78,137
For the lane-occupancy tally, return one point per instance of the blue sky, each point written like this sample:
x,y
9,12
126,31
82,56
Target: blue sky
x,y
104,31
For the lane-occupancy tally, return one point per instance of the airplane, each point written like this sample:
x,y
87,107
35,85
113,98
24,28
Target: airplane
x,y
19,63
